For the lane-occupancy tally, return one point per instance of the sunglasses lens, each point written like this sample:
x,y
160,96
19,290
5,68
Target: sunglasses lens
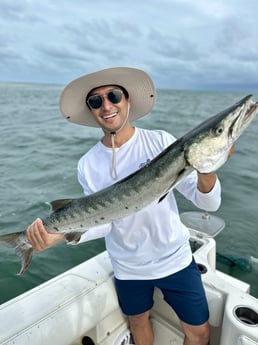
x,y
94,101
115,96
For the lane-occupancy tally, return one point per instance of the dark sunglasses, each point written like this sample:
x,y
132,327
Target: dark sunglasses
x,y
95,101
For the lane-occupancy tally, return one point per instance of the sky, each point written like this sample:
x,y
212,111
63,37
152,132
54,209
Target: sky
x,y
182,44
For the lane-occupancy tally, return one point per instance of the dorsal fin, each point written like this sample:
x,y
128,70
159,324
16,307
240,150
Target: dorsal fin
x,y
57,204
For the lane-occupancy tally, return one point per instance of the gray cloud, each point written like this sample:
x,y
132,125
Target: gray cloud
x,y
183,44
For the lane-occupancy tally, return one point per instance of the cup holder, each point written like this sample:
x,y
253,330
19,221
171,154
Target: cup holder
x,y
202,268
246,315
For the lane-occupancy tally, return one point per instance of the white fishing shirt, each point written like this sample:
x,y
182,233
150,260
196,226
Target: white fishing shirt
x,y
151,243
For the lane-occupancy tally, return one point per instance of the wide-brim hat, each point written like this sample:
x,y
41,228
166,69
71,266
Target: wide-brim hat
x,y
138,84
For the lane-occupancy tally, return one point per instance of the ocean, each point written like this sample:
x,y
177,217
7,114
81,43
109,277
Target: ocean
x,y
38,158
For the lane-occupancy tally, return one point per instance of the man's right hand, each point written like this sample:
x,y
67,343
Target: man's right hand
x,y
39,238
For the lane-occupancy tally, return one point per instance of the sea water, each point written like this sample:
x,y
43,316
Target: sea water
x,y
39,152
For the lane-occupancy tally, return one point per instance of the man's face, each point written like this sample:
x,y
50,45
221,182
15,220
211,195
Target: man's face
x,y
110,115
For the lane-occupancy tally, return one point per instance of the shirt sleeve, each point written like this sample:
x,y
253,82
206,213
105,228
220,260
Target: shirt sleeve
x,y
206,201
96,232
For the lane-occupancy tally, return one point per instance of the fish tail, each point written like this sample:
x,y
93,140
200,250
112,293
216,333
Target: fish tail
x,y
23,248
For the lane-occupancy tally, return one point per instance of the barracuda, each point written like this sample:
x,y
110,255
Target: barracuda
x,y
205,149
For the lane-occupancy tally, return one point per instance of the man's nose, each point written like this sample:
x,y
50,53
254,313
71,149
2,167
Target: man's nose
x,y
106,104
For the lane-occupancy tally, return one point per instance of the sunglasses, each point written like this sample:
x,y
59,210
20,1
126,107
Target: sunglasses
x,y
95,101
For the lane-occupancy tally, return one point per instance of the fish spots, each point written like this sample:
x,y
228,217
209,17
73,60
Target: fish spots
x,y
100,220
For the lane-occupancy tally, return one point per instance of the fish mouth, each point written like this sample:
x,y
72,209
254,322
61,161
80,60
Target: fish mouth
x,y
249,111
245,116
252,107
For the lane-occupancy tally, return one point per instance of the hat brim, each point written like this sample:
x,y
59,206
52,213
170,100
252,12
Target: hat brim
x,y
138,84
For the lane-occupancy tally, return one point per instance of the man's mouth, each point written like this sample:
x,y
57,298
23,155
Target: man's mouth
x,y
106,117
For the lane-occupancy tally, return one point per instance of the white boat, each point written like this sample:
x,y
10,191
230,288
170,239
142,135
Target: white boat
x,y
80,307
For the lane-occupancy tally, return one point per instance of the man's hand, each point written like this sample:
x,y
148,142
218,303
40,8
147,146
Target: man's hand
x,y
39,238
207,181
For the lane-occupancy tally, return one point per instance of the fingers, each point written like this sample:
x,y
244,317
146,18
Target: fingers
x,y
231,151
39,238
37,235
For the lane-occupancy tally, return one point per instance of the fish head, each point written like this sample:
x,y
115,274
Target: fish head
x,y
209,144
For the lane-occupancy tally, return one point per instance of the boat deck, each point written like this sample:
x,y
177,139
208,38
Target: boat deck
x,y
82,304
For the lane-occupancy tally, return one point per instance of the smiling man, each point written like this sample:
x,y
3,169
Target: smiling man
x,y
149,248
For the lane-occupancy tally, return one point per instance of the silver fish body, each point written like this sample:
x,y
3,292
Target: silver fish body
x,y
205,149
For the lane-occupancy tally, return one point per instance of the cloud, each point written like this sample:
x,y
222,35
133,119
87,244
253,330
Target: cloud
x,y
182,44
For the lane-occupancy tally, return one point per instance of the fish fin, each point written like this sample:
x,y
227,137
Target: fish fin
x,y
9,240
162,197
177,180
73,237
25,254
23,248
58,204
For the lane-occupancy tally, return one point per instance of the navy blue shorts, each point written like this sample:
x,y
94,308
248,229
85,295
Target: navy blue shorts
x,y
183,291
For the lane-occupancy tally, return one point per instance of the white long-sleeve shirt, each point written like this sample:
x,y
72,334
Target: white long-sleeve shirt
x,y
151,243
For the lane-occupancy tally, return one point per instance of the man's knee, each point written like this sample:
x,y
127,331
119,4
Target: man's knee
x,y
141,328
139,319
198,335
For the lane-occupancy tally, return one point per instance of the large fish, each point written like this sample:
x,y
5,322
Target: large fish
x,y
205,148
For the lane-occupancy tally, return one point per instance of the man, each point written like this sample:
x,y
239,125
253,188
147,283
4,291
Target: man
x,y
151,247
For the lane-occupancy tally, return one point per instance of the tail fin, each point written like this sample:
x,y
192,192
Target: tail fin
x,y
22,247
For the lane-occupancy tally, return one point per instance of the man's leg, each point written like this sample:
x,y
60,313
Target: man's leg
x,y
141,328
136,300
143,334
196,335
185,293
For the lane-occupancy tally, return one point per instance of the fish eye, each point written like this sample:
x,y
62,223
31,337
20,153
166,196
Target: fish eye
x,y
219,130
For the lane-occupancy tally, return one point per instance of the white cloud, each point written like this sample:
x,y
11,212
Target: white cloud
x,y
182,43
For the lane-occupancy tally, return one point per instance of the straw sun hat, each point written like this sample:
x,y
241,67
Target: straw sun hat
x,y
138,84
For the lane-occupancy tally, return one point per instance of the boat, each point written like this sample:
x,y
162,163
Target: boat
x,y
80,306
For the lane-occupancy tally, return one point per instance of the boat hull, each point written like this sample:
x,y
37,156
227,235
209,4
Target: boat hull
x,y
82,302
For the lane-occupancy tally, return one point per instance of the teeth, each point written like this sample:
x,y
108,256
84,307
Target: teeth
x,y
109,116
